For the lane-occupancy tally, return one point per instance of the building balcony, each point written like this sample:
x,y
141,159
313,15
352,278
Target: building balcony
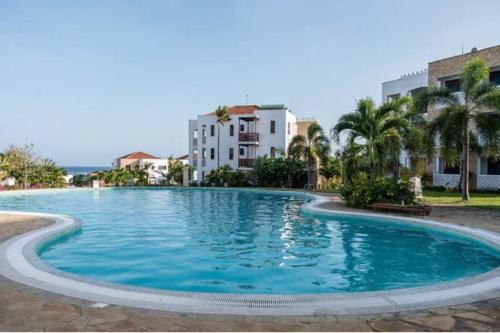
x,y
246,162
195,142
249,137
203,162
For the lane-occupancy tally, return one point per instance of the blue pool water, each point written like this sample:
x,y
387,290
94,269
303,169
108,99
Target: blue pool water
x,y
243,241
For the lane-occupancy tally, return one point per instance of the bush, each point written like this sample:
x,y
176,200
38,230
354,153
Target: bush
x,y
226,176
279,172
361,193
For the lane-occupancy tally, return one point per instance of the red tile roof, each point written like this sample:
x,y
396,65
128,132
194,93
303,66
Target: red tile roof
x,y
140,155
239,109
183,157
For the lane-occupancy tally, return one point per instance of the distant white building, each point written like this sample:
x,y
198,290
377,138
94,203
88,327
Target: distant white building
x,y
252,131
9,182
156,167
407,85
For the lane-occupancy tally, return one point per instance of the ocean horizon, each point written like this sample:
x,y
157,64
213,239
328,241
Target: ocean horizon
x,y
84,170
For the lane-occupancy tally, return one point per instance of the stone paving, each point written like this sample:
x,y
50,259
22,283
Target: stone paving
x,y
24,308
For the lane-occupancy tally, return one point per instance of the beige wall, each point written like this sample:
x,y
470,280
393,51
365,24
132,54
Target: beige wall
x,y
303,125
453,66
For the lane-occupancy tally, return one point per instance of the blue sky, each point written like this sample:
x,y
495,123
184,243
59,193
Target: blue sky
x,y
87,81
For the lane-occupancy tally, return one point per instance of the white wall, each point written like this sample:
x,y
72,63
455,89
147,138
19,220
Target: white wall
x,y
404,84
279,140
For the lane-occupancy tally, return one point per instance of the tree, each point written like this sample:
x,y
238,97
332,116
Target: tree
x,y
223,117
330,167
176,170
372,131
459,112
312,147
19,160
411,133
4,167
45,172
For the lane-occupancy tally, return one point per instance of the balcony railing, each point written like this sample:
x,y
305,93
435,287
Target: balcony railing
x,y
246,162
249,137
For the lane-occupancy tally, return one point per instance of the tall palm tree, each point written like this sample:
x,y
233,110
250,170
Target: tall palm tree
x,y
312,147
222,114
411,132
460,112
372,130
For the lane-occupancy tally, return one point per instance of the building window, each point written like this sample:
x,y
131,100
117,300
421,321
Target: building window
x,y
273,151
242,151
393,97
242,128
495,78
231,153
492,166
231,130
127,167
289,128
212,153
451,170
203,135
163,167
453,85
204,153
273,126
203,174
212,130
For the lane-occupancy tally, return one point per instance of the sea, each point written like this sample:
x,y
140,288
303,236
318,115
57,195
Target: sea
x,y
83,170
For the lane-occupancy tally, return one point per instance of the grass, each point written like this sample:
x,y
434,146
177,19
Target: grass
x,y
477,200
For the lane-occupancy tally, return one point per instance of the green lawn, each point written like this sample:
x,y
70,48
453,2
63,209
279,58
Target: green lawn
x,y
477,200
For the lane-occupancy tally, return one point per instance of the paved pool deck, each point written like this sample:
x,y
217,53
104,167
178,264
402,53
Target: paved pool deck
x,y
23,308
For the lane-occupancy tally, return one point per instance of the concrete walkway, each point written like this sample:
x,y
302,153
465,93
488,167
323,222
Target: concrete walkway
x,y
27,309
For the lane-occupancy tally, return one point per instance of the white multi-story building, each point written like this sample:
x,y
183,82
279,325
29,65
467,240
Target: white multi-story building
x,y
407,85
252,131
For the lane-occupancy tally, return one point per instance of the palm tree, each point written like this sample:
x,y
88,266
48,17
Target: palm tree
x,y
330,167
411,132
372,130
459,112
223,117
312,147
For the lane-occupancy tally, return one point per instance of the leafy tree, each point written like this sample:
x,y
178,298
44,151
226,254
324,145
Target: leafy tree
x,y
223,117
19,161
4,167
460,113
312,147
45,172
371,131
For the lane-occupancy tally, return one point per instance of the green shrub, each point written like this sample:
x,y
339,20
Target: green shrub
x,y
361,193
226,176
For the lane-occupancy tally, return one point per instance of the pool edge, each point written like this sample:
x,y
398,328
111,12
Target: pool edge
x,y
19,262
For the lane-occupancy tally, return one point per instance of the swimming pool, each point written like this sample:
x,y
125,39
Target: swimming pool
x,y
246,242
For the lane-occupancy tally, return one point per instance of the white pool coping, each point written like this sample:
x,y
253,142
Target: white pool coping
x,y
19,262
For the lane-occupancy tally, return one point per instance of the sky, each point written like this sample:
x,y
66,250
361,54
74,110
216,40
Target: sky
x,y
88,81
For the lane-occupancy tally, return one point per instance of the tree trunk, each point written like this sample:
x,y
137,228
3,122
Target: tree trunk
x,y
465,188
308,168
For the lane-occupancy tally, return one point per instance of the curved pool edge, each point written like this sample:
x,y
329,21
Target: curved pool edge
x,y
19,262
